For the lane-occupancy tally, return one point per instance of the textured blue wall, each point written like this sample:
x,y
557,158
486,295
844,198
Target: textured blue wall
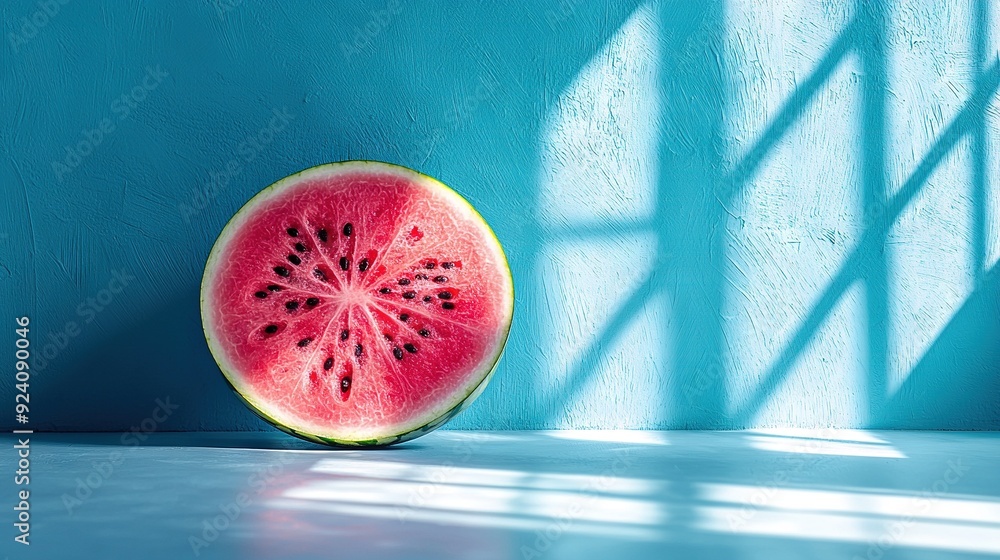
x,y
719,215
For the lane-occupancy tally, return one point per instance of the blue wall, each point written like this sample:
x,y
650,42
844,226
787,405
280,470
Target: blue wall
x,y
719,214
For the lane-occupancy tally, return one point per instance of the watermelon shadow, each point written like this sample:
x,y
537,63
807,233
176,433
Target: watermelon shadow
x,y
133,375
161,391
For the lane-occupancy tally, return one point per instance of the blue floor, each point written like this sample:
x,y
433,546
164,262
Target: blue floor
x,y
483,495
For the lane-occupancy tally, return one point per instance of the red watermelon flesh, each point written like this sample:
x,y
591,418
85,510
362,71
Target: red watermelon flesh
x,y
357,303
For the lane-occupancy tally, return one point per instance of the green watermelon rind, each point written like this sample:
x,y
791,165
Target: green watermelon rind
x,y
455,407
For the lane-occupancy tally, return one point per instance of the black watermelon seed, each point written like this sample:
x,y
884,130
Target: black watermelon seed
x,y
321,234
410,348
312,302
430,266
292,231
420,277
294,259
345,384
448,305
444,295
427,298
271,329
328,364
358,350
398,353
344,334
404,281
385,291
319,274
440,279
274,288
409,295
300,247
291,305
261,295
387,336
404,317
447,265
281,271
363,265
344,263
424,333
304,342
348,229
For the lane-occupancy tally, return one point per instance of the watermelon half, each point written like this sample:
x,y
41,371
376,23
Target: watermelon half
x,y
357,303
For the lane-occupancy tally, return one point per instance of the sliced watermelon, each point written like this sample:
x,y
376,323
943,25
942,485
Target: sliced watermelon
x,y
357,303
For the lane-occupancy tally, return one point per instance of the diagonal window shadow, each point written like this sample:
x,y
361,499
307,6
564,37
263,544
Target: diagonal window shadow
x,y
791,111
978,160
859,265
935,388
859,260
724,186
874,191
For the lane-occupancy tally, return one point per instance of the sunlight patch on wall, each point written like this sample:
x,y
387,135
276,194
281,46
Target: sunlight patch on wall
x,y
992,127
930,246
601,347
796,222
825,383
993,183
775,45
598,153
614,378
931,264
